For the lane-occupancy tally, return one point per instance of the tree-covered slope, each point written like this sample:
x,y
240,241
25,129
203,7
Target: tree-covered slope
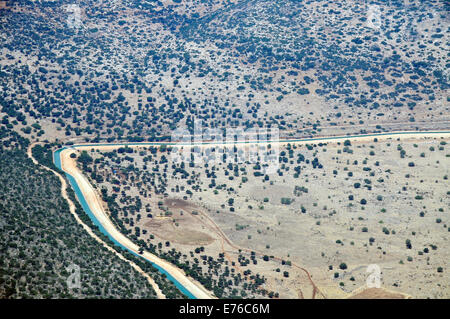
x,y
40,239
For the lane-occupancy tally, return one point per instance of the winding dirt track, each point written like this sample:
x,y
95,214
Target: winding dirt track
x,y
69,166
225,238
72,209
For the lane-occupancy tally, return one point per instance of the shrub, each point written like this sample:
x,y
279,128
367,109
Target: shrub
x,y
408,244
343,266
286,201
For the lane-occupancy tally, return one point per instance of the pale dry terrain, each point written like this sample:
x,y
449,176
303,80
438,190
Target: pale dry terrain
x,y
403,195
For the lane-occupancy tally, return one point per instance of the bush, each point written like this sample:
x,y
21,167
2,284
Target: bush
x,y
286,201
408,244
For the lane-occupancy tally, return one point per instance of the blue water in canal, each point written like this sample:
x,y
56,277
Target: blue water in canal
x,y
76,188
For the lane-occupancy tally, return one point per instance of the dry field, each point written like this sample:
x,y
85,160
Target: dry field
x,y
364,203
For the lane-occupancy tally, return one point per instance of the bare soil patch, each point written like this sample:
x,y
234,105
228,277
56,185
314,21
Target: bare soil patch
x,y
377,293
